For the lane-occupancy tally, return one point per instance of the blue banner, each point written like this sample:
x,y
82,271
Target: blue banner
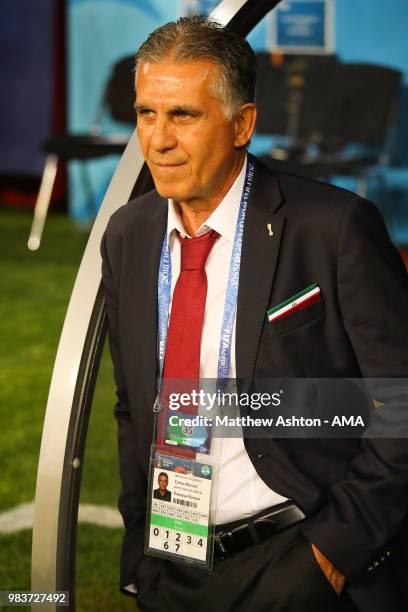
x,y
302,25
26,84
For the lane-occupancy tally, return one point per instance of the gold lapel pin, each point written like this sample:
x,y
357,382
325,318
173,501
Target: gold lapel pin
x,y
269,228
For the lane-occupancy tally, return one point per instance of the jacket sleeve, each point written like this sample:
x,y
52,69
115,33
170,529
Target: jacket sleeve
x,y
132,500
367,508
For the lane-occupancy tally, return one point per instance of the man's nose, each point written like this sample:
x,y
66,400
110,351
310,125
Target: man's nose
x,y
163,135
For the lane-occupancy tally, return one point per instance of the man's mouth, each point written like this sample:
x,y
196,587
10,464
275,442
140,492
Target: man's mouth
x,y
168,164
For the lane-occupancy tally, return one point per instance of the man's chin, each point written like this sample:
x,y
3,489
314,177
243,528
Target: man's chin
x,y
168,191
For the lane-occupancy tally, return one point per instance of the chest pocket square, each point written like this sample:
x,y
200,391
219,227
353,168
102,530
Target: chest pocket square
x,y
301,300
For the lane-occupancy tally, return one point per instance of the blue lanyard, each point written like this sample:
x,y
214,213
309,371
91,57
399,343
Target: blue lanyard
x,y
164,288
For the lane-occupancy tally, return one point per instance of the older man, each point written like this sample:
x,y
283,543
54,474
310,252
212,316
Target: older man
x,y
162,492
335,506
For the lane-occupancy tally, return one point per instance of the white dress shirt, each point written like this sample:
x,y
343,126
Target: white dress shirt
x,y
241,492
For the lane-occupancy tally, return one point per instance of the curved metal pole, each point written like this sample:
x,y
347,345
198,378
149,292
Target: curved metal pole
x,y
55,463
76,365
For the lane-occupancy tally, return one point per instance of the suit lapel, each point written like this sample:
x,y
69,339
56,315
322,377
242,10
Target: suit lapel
x,y
260,252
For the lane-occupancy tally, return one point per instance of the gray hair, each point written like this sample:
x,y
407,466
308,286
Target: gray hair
x,y
194,38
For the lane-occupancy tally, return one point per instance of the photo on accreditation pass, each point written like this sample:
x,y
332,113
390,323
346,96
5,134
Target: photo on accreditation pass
x,y
179,513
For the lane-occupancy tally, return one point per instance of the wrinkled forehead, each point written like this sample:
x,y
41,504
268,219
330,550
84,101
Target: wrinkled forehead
x,y
175,64
169,75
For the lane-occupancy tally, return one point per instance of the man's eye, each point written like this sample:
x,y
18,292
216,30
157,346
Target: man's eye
x,y
145,112
183,114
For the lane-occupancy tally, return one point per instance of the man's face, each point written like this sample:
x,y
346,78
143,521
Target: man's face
x,y
163,483
189,144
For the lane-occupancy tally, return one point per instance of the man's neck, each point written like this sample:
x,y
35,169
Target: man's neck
x,y
193,218
194,214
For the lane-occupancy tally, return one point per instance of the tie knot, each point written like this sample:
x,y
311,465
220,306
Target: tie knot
x,y
194,251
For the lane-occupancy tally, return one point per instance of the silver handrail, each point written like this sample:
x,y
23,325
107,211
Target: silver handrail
x,y
49,513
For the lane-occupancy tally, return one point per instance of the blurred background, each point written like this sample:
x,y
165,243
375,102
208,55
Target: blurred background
x,y
333,105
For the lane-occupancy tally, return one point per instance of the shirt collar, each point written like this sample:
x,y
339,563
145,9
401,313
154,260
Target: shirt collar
x,y
223,219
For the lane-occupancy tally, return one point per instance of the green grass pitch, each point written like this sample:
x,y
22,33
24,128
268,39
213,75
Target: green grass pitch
x,y
35,289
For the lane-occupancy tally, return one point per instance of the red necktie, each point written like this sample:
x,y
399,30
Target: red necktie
x,y
182,359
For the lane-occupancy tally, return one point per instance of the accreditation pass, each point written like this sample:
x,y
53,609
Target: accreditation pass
x,y
180,495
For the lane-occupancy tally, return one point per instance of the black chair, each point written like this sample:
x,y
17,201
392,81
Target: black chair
x,y
117,100
286,99
363,109
349,117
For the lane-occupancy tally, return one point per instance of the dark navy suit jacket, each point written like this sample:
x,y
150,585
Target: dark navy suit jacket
x,y
354,492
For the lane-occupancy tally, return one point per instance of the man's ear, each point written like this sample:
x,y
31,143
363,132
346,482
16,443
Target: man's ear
x,y
244,124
